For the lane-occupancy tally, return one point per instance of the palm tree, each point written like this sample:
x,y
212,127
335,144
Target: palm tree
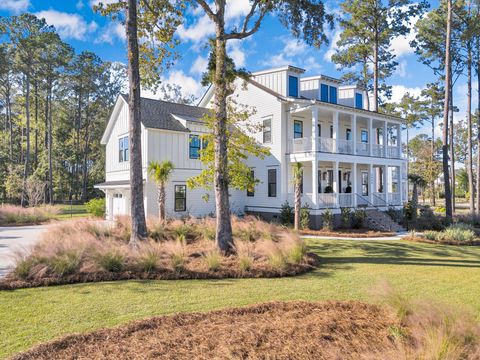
x,y
297,182
160,173
417,181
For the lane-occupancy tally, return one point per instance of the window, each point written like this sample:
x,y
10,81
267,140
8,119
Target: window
x,y
358,101
331,131
267,131
348,134
194,147
333,94
301,184
319,130
364,183
319,181
324,92
297,129
272,183
180,197
251,191
123,153
364,136
293,86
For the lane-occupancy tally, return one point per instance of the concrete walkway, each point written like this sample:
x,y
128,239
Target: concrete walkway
x,y
398,236
14,239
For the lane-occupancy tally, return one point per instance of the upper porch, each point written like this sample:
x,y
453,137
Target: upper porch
x,y
318,128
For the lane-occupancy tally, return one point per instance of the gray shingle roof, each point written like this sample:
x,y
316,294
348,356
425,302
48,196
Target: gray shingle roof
x,y
157,114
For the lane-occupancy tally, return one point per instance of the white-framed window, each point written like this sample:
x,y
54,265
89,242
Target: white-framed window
x,y
180,198
267,131
123,149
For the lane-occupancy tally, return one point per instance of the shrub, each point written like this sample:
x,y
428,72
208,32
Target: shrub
x,y
213,260
296,252
327,220
431,235
346,214
96,207
440,209
287,214
458,233
304,218
111,261
408,211
358,218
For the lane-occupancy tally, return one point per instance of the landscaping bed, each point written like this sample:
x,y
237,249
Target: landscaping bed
x,y
348,233
300,330
456,234
86,251
13,215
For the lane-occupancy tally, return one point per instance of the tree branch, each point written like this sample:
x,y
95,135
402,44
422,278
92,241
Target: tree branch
x,y
246,33
207,10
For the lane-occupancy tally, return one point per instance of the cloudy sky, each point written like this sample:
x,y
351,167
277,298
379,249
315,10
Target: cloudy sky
x,y
272,46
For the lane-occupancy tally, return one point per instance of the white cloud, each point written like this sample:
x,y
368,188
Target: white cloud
x,y
237,8
69,26
110,32
80,5
399,90
236,52
199,31
189,85
332,49
199,66
14,6
294,52
401,69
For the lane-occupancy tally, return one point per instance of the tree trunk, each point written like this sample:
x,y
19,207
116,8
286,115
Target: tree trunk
x,y
446,177
26,171
50,145
35,157
469,132
224,227
298,204
375,76
452,153
85,150
415,200
137,210
161,202
434,195
478,128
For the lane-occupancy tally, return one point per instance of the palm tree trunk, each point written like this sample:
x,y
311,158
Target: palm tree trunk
x,y
298,204
137,210
161,202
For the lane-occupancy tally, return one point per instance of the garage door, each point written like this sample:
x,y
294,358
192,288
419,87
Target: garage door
x,y
118,205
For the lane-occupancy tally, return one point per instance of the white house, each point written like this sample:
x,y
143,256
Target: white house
x,y
352,157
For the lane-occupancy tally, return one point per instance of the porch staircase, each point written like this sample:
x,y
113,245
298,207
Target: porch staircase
x,y
380,221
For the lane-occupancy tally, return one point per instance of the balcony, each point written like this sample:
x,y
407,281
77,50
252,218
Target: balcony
x,y
342,146
346,200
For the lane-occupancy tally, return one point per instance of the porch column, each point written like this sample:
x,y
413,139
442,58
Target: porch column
x,y
371,182
385,138
315,183
399,140
354,134
370,136
314,128
335,182
354,185
335,132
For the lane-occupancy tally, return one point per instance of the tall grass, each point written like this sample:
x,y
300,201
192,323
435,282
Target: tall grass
x,y
17,215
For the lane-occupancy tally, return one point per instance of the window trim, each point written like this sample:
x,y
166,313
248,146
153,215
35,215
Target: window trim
x,y
269,132
251,192
364,185
295,132
348,134
123,148
272,185
120,150
190,147
364,131
175,198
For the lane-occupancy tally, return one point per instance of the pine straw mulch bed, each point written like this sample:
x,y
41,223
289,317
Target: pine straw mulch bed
x,y
228,270
348,233
276,330
421,239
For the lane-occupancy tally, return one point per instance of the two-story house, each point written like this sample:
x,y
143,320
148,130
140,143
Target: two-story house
x,y
351,157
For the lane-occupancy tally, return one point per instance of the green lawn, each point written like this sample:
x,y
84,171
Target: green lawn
x,y
71,212
349,269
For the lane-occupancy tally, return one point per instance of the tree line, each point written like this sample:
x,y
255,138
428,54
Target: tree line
x,y
54,105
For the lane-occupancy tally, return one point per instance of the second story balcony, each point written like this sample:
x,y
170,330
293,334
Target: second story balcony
x,y
316,129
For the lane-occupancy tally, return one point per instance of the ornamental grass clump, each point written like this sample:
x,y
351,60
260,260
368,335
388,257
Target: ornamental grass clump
x,y
213,260
111,260
175,251
458,233
18,215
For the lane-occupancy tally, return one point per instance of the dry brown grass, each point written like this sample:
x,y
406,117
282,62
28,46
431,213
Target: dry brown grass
x,y
277,330
18,215
86,251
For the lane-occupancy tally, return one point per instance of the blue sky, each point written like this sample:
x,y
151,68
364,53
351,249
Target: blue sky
x,y
272,46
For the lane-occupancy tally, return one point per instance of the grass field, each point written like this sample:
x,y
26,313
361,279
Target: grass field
x,y
349,270
71,212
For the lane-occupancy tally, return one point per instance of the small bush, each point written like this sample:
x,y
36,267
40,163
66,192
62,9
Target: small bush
x,y
327,220
440,209
346,214
458,233
358,218
296,253
431,235
287,214
111,261
213,260
96,207
304,218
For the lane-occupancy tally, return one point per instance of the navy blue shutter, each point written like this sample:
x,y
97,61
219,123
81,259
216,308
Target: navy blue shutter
x,y
358,101
293,86
333,94
324,92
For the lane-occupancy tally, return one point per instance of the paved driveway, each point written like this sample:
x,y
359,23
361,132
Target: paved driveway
x,y
13,238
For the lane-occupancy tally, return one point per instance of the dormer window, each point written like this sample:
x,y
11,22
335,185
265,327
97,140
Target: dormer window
x,y
328,93
358,101
293,86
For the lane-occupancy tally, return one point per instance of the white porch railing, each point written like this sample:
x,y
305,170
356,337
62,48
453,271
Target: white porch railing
x,y
394,199
326,144
300,145
345,200
379,199
327,201
378,150
393,152
345,146
363,149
